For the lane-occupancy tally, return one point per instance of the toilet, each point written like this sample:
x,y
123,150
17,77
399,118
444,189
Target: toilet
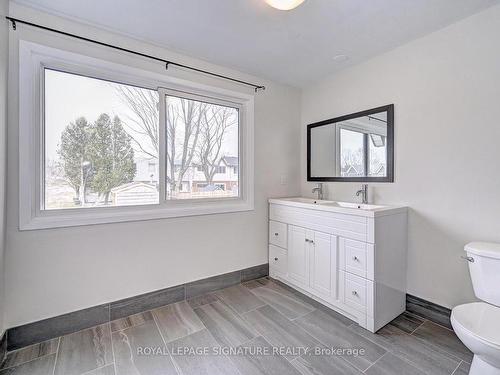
x,y
477,324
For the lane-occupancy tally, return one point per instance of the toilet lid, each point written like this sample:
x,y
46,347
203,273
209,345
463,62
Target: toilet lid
x,y
480,319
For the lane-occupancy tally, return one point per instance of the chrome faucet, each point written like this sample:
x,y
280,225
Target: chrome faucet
x,y
364,193
318,189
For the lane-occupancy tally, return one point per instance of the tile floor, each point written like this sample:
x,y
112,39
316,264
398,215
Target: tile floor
x,y
254,320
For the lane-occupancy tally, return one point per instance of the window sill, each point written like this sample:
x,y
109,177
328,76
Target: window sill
x,y
89,216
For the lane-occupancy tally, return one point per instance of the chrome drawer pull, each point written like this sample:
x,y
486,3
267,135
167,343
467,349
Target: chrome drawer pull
x,y
355,258
276,233
354,293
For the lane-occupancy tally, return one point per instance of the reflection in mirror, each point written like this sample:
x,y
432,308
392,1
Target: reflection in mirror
x,y
356,147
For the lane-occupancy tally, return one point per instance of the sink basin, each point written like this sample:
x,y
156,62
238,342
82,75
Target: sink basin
x,y
357,206
320,202
309,201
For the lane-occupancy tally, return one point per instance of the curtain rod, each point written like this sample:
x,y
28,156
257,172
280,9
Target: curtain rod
x,y
166,62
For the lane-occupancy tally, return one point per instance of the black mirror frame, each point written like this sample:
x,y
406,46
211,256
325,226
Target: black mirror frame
x,y
390,145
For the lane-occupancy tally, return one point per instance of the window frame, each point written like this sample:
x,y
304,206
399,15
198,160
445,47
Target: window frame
x,y
34,58
210,100
338,150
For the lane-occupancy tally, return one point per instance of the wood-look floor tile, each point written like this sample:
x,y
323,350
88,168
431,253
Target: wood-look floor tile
x,y
204,299
239,298
407,322
131,321
40,366
422,355
257,283
130,357
106,370
177,320
84,351
257,359
280,331
390,364
283,300
463,369
333,333
443,338
224,324
208,363
29,353
326,364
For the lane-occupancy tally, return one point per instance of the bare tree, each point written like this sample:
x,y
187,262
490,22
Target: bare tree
x,y
191,114
144,125
184,121
172,123
216,121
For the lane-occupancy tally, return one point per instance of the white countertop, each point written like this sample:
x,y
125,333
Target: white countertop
x,y
349,208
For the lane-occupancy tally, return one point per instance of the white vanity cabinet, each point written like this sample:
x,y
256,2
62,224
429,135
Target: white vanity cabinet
x,y
351,259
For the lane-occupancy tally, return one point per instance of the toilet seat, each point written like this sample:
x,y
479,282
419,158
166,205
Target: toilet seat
x,y
481,320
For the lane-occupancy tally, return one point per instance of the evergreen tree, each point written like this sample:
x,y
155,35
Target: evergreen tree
x,y
111,155
73,151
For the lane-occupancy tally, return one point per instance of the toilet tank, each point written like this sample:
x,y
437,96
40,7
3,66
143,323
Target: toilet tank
x,y
484,268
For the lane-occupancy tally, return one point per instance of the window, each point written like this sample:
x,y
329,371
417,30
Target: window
x,y
221,169
199,135
352,153
377,152
95,142
362,154
102,142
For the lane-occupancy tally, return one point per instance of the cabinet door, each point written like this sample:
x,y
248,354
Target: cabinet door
x,y
321,264
298,256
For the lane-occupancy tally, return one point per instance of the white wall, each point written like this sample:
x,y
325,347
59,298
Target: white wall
x,y
51,272
323,158
446,91
4,7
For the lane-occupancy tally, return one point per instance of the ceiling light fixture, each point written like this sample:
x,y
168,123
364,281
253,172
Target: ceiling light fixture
x,y
284,4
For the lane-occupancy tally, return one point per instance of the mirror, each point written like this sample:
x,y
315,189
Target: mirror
x,y
356,147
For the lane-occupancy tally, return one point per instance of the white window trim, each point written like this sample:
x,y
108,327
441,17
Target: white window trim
x,y
33,58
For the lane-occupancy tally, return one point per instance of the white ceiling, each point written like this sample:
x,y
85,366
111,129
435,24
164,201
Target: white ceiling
x,y
295,47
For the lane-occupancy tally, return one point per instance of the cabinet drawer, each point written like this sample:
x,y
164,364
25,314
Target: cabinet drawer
x,y
342,225
278,259
355,291
278,234
356,257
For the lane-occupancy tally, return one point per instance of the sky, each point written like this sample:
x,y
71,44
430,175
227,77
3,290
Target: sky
x,y
69,96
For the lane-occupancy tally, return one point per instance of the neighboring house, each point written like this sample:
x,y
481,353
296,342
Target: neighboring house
x,y
146,170
379,170
358,170
225,180
350,170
